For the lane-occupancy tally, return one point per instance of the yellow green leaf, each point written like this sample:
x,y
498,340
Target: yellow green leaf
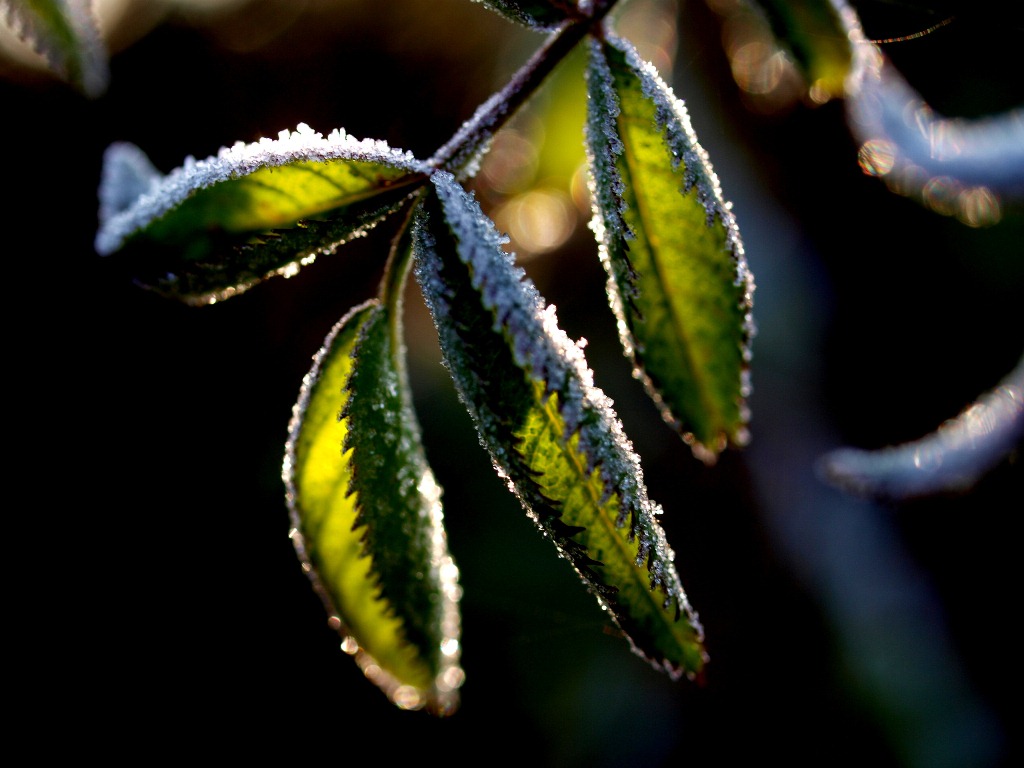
x,y
214,227
678,280
367,515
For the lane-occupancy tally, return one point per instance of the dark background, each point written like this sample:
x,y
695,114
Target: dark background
x,y
155,591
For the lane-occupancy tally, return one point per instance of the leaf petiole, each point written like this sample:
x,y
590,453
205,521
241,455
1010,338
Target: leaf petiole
x,y
462,153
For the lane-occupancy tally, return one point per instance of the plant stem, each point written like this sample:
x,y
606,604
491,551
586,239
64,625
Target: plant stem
x,y
392,291
461,154
396,269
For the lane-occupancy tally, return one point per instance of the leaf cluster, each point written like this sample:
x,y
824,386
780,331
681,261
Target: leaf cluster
x,y
366,511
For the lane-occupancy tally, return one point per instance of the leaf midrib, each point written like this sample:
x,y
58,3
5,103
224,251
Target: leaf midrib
x,y
553,420
332,204
632,164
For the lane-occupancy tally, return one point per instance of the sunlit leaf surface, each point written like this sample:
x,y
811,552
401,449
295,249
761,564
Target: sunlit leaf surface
x,y
214,227
952,458
65,33
367,515
678,279
536,14
552,435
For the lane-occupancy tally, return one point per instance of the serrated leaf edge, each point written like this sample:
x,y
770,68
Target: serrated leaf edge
x,y
543,350
443,698
85,66
681,140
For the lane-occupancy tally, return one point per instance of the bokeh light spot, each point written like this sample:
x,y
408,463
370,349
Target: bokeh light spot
x,y
941,194
876,157
978,207
537,221
511,163
407,697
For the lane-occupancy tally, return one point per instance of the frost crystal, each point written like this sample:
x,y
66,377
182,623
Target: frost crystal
x,y
539,16
118,222
603,138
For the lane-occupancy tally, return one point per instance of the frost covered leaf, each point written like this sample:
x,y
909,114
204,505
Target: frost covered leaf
x,y
537,14
65,33
212,228
366,514
962,167
952,458
551,434
678,280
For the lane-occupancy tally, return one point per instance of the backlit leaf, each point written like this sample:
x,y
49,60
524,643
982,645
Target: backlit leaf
x,y
678,280
552,435
212,228
65,33
366,513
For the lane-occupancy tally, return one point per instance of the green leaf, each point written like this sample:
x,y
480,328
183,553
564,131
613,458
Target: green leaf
x,y
65,33
367,514
552,435
678,281
213,228
536,14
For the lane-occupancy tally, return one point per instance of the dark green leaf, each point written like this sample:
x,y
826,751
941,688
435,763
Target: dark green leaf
x,y
678,280
552,435
65,33
367,514
213,228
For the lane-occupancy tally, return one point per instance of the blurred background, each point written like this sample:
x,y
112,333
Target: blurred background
x,y
155,587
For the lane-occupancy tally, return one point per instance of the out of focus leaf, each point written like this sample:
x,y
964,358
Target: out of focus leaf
x,y
212,228
367,514
551,434
65,33
952,458
957,166
536,14
811,31
678,279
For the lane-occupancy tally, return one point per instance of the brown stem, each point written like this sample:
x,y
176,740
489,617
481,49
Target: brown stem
x,y
462,152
